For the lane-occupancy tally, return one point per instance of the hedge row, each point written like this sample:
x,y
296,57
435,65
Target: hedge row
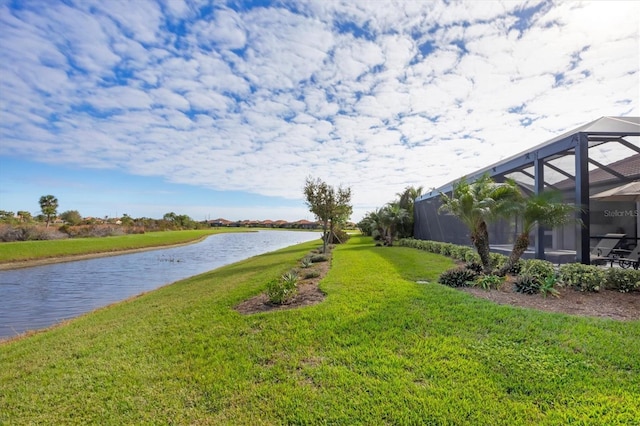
x,y
535,272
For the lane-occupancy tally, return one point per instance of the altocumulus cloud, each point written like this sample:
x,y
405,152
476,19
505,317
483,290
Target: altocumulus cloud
x,y
374,95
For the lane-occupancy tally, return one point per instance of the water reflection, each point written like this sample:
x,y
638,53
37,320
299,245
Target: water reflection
x,y
33,298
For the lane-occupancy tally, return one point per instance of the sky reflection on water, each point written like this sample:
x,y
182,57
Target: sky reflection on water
x,y
37,297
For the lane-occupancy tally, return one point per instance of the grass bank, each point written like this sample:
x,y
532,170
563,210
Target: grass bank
x,y
380,349
33,250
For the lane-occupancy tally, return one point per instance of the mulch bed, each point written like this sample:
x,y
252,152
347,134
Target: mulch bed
x,y
605,304
308,293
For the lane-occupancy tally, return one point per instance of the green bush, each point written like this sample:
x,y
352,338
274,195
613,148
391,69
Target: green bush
x,y
306,262
445,249
474,266
454,252
623,280
280,291
582,277
547,286
460,252
457,277
526,284
317,258
540,269
488,282
517,268
472,256
432,247
497,260
311,274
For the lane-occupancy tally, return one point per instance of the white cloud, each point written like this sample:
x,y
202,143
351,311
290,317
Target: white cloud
x,y
374,95
225,31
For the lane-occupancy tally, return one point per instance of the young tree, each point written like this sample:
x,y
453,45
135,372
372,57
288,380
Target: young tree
x,y
72,217
331,206
127,220
478,203
545,209
49,207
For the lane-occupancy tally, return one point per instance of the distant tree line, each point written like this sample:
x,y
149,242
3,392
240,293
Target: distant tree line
x,y
22,225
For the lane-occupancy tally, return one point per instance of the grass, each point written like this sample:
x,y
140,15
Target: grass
x,y
381,349
31,250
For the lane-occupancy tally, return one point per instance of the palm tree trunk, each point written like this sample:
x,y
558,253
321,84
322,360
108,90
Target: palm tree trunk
x,y
392,232
481,240
519,247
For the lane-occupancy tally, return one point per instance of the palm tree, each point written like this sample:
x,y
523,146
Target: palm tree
x,y
544,209
373,222
406,201
49,207
478,203
393,216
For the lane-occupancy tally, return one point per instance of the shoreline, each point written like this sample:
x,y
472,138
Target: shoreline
x,y
20,264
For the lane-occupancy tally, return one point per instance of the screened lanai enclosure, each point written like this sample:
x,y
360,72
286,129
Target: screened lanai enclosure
x,y
595,167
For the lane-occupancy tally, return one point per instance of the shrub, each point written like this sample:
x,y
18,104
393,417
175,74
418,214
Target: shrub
x,y
430,246
317,258
497,260
474,266
462,253
10,233
582,277
623,280
540,269
311,274
458,252
282,290
547,286
86,231
306,262
517,268
526,284
454,252
457,277
472,256
488,282
290,278
446,248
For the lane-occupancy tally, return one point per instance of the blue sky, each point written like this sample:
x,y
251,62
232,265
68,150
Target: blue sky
x,y
223,109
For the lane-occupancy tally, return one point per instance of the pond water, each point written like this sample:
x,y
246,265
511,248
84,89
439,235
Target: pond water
x,y
37,297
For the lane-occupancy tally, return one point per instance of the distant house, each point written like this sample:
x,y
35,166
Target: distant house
x,y
305,224
220,222
300,224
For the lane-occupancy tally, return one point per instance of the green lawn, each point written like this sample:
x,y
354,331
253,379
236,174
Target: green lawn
x,y
30,250
381,349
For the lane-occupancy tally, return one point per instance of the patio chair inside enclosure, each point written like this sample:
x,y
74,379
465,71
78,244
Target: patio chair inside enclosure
x,y
625,258
606,245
